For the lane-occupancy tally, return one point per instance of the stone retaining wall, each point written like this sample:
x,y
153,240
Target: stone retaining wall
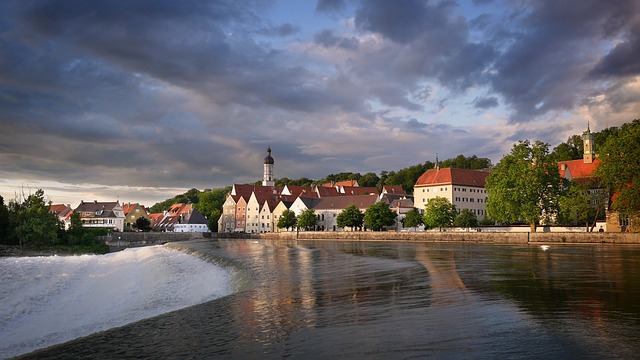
x,y
483,237
121,240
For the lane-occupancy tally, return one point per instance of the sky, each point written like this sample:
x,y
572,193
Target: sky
x,y
139,101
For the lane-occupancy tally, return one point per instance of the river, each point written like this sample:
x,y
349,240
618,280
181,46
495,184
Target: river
x,y
390,300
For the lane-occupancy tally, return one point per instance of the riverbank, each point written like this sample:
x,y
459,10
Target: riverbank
x,y
471,236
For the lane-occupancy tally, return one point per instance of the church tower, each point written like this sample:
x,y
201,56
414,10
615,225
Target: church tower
x,y
267,177
589,146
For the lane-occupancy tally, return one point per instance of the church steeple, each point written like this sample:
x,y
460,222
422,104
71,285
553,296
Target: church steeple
x,y
589,146
267,176
437,164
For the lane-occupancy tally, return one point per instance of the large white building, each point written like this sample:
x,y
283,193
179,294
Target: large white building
x,y
463,188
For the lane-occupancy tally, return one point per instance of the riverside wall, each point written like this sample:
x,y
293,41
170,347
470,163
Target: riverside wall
x,y
471,236
121,240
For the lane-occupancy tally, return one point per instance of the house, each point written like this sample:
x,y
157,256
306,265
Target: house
x,y
193,221
463,188
132,213
277,212
169,218
302,204
328,209
101,215
63,212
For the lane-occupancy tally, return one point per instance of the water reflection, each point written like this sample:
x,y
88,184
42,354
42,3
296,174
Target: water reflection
x,y
401,300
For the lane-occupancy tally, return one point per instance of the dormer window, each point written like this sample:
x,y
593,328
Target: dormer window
x,y
99,212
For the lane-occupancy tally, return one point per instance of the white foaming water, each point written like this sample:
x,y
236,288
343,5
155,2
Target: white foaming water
x,y
50,300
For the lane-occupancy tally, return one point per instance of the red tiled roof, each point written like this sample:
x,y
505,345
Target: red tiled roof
x,y
358,190
577,168
324,191
452,176
394,189
341,202
128,207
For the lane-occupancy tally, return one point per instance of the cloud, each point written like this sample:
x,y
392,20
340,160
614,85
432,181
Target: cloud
x,y
485,102
189,94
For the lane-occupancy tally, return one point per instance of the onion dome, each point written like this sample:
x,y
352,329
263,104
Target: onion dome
x,y
268,159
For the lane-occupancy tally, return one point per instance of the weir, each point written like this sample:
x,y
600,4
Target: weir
x,y
52,299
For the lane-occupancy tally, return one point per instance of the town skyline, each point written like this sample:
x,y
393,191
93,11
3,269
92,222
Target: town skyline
x,y
139,102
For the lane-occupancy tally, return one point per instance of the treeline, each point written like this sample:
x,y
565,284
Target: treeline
x,y
26,221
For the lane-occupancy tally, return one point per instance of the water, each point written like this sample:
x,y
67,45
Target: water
x,y
50,300
375,300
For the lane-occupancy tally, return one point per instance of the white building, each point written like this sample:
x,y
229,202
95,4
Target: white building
x,y
463,188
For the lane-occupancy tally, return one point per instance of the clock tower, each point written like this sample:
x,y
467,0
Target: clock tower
x,y
267,176
589,146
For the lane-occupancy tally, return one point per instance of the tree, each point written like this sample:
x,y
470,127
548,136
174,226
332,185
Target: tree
x,y
212,220
351,217
287,220
379,215
570,150
438,213
211,200
524,186
143,224
5,229
412,219
619,169
368,180
307,219
579,205
35,226
466,219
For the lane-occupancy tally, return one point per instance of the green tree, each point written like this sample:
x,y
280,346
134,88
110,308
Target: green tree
x,y
143,224
35,226
307,219
412,219
524,186
287,220
570,150
379,215
580,205
351,217
211,200
5,230
619,169
463,162
212,220
466,219
438,213
368,180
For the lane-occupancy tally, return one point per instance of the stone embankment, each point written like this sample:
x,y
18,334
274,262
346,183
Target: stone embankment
x,y
121,240
471,236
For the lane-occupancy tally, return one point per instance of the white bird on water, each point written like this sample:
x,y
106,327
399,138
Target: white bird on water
x,y
544,247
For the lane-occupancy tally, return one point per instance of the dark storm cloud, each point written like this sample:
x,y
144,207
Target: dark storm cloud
x,y
485,102
185,93
282,30
327,38
404,20
537,54
552,51
624,57
330,5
